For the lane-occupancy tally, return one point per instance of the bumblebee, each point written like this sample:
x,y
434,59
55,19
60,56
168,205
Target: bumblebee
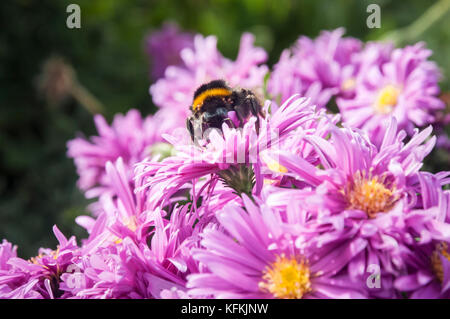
x,y
212,102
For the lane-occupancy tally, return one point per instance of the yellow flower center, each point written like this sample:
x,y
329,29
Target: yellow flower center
x,y
286,278
387,99
436,263
370,195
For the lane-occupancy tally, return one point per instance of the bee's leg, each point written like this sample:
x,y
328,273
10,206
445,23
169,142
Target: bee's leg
x,y
239,111
251,104
229,122
256,110
190,128
257,124
254,104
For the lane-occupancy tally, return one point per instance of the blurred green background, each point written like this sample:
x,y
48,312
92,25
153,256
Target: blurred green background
x,y
37,180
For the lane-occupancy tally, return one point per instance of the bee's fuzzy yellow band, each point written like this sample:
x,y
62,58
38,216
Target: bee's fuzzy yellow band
x,y
198,101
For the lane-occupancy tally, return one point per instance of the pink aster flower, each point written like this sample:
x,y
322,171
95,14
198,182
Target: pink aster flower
x,y
350,160
7,251
164,46
166,178
428,258
233,155
254,256
120,213
129,137
39,277
373,54
443,121
127,268
133,251
428,272
204,63
405,87
116,271
361,193
315,68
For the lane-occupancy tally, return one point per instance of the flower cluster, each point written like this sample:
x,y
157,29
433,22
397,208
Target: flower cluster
x,y
295,202
370,82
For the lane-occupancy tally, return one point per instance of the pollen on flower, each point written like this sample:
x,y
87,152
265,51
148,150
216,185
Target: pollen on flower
x,y
274,166
55,254
277,167
268,181
348,84
35,260
370,194
286,278
387,99
131,223
436,263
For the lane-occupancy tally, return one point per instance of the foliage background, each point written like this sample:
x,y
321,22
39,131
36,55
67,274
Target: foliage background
x,y
37,180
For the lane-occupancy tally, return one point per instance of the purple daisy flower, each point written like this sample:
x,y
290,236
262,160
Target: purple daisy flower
x,y
428,258
132,251
406,87
129,137
442,121
110,272
253,256
164,46
373,54
361,193
233,154
120,214
428,272
353,168
7,251
317,68
39,277
127,268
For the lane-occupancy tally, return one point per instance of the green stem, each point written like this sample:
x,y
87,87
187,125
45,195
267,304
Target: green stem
x,y
419,26
86,99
